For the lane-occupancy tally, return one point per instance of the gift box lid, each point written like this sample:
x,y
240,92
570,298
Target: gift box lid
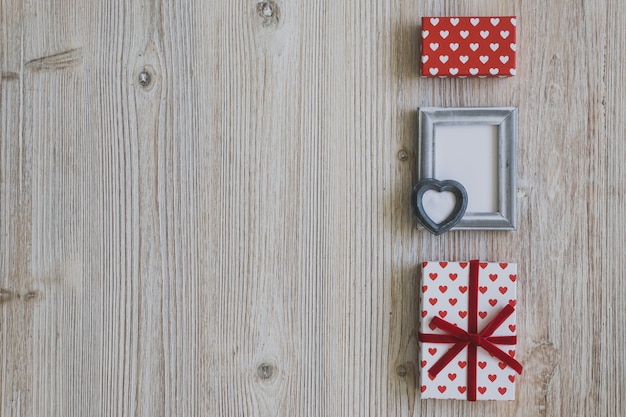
x,y
472,46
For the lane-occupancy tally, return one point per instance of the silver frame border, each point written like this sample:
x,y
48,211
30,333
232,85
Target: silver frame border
x,y
506,119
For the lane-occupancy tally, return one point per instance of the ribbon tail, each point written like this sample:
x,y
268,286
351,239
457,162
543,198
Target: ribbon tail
x,y
498,320
472,358
498,353
446,358
503,340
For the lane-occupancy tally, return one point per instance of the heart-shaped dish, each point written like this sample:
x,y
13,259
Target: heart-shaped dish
x,y
455,215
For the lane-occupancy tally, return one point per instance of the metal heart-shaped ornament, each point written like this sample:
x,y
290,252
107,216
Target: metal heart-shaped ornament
x,y
455,215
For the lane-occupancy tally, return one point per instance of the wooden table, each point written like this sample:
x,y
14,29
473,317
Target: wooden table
x,y
204,207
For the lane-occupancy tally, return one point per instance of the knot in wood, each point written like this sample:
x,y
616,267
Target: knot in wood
x,y
265,371
144,78
6,295
403,155
269,11
31,295
401,371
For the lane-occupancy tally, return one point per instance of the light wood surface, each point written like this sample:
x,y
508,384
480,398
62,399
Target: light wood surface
x,y
232,236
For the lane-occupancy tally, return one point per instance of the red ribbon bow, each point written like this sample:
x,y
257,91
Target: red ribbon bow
x,y
472,338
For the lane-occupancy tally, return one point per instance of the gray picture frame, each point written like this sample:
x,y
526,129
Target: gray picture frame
x,y
505,119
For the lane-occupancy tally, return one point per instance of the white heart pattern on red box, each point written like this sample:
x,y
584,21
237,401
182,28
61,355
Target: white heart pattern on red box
x,y
466,41
444,293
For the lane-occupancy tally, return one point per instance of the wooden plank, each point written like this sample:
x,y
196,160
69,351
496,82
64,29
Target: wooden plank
x,y
16,288
204,207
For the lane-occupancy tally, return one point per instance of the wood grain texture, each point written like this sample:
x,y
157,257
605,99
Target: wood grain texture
x,y
233,236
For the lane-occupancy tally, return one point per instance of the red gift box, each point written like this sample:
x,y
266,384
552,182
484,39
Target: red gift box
x,y
468,46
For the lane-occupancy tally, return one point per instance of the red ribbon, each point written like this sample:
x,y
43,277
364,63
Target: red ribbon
x,y
472,338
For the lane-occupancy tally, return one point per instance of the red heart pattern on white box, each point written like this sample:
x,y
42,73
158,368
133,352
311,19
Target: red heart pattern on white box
x,y
444,293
